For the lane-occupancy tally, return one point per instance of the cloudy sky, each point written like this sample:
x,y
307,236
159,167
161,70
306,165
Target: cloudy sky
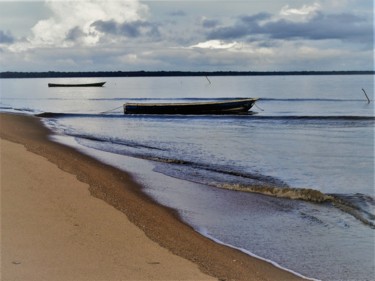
x,y
186,35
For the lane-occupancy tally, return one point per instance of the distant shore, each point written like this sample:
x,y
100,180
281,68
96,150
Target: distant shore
x,y
87,74
52,229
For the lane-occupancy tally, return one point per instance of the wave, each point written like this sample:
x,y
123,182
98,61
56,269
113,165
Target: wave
x,y
360,206
159,155
5,107
306,194
249,115
24,110
112,141
77,115
354,207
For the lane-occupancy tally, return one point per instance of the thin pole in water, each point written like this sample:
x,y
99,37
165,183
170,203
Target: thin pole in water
x,y
208,80
368,100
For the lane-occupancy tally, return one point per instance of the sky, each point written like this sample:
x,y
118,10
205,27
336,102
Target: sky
x,y
191,35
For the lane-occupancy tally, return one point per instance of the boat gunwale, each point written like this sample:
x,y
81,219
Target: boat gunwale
x,y
191,103
94,84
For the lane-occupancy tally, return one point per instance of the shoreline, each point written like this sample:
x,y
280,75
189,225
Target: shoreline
x,y
160,224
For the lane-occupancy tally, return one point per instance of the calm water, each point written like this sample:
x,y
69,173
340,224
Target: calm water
x,y
309,138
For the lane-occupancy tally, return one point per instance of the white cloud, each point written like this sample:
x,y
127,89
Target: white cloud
x,y
215,44
78,16
300,14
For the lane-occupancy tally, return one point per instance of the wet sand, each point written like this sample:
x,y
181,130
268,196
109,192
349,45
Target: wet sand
x,y
66,216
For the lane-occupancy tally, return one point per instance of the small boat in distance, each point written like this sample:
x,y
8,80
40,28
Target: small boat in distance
x,y
98,84
234,106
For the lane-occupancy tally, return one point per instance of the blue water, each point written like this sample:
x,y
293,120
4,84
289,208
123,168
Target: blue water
x,y
292,183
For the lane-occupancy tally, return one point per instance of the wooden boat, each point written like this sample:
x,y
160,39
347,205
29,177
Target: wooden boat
x,y
98,84
216,107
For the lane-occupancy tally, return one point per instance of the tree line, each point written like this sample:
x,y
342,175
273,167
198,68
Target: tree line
x,y
59,74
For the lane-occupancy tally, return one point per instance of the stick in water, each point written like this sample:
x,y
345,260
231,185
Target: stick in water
x,y
368,100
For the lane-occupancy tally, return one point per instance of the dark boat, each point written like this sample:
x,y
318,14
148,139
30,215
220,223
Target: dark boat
x,y
216,107
98,84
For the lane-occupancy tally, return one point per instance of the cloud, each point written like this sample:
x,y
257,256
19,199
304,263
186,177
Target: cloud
x,y
255,19
244,26
6,37
91,35
74,34
319,26
345,27
214,44
132,29
74,21
303,13
209,23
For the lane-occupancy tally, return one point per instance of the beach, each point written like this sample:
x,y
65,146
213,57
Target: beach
x,y
66,216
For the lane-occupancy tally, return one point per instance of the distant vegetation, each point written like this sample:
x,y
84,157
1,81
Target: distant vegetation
x,y
55,74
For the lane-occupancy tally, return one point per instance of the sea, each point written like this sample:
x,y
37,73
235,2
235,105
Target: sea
x,y
291,182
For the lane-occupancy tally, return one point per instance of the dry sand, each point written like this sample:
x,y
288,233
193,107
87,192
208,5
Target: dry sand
x,y
52,229
66,216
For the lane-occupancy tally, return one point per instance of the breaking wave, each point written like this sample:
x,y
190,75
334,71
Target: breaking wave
x,y
360,206
306,194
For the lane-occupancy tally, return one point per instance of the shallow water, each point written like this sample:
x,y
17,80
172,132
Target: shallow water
x,y
311,137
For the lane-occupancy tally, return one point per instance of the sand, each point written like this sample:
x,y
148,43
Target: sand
x,y
66,216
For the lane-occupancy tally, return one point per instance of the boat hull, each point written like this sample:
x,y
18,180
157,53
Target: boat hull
x,y
222,107
99,84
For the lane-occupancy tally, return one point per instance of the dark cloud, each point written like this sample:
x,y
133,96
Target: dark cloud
x,y
128,29
110,27
229,32
244,26
74,34
6,37
210,23
132,30
346,27
341,26
254,19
